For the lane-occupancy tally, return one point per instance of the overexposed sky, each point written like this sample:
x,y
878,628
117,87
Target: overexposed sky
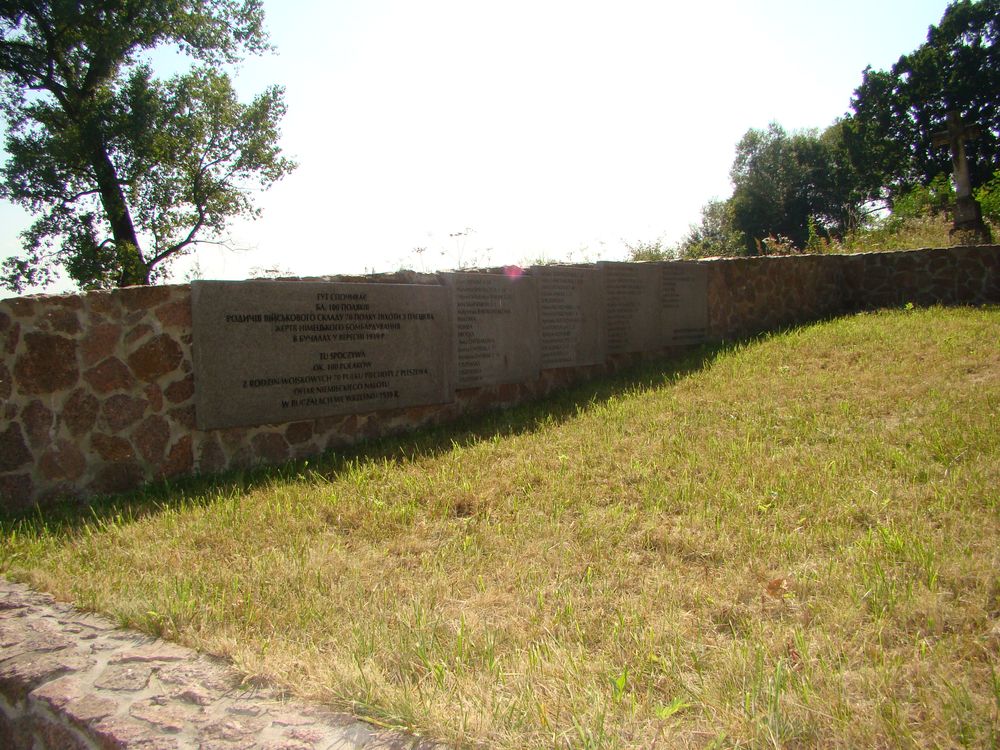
x,y
550,129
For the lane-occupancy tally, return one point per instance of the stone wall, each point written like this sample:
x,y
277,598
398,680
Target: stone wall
x,y
752,295
97,390
98,398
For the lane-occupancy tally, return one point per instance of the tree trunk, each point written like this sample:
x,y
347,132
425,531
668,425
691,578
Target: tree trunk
x,y
133,269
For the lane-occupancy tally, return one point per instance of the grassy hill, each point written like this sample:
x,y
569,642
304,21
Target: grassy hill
x,y
789,542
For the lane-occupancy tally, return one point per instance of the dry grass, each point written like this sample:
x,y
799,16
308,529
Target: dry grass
x,y
793,542
932,230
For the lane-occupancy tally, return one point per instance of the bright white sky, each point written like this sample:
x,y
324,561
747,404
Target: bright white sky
x,y
550,129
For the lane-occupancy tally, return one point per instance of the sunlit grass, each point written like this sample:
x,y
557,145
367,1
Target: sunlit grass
x,y
789,542
894,234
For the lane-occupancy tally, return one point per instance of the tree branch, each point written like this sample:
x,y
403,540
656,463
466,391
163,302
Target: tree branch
x,y
190,239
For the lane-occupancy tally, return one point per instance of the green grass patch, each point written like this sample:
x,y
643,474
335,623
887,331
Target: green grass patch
x,y
793,541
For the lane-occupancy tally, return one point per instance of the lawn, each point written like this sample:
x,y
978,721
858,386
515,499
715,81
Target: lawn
x,y
793,541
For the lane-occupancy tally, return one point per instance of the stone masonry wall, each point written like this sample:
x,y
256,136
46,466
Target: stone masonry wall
x,y
97,395
751,295
97,389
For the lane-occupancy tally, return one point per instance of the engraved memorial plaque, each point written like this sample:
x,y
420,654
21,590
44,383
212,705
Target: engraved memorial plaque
x,y
496,329
280,351
685,303
633,306
571,315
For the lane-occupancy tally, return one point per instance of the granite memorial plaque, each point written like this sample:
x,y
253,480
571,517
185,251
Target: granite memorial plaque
x,y
496,328
685,303
571,315
632,292
279,351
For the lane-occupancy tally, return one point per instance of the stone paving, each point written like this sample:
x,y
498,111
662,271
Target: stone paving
x,y
74,681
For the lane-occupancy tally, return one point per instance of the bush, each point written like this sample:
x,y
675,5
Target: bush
x,y
989,199
650,251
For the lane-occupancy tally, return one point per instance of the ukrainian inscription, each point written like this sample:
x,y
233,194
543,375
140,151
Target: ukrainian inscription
x,y
571,316
281,351
496,328
633,306
685,303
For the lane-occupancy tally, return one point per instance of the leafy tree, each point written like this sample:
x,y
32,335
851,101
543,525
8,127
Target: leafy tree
x,y
845,205
897,112
715,235
792,186
126,172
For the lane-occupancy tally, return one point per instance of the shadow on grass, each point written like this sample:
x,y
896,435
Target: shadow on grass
x,y
70,516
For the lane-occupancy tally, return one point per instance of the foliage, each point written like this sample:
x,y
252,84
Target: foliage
x,y
715,235
989,199
126,172
892,233
921,200
828,192
650,251
897,112
792,185
920,217
792,191
918,221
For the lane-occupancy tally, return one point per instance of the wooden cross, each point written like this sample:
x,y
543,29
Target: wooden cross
x,y
955,137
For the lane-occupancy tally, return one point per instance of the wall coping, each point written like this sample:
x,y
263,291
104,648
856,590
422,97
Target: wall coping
x,y
71,680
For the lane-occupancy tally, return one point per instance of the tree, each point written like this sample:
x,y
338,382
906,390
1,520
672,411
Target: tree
x,y
715,235
897,112
792,186
126,172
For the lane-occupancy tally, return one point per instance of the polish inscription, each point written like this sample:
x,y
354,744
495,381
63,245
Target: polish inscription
x,y
685,303
632,293
496,328
280,351
571,315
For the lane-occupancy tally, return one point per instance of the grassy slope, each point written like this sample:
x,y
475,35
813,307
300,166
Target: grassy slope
x,y
796,542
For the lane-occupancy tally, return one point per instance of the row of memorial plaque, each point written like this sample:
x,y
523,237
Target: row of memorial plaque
x,y
281,351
